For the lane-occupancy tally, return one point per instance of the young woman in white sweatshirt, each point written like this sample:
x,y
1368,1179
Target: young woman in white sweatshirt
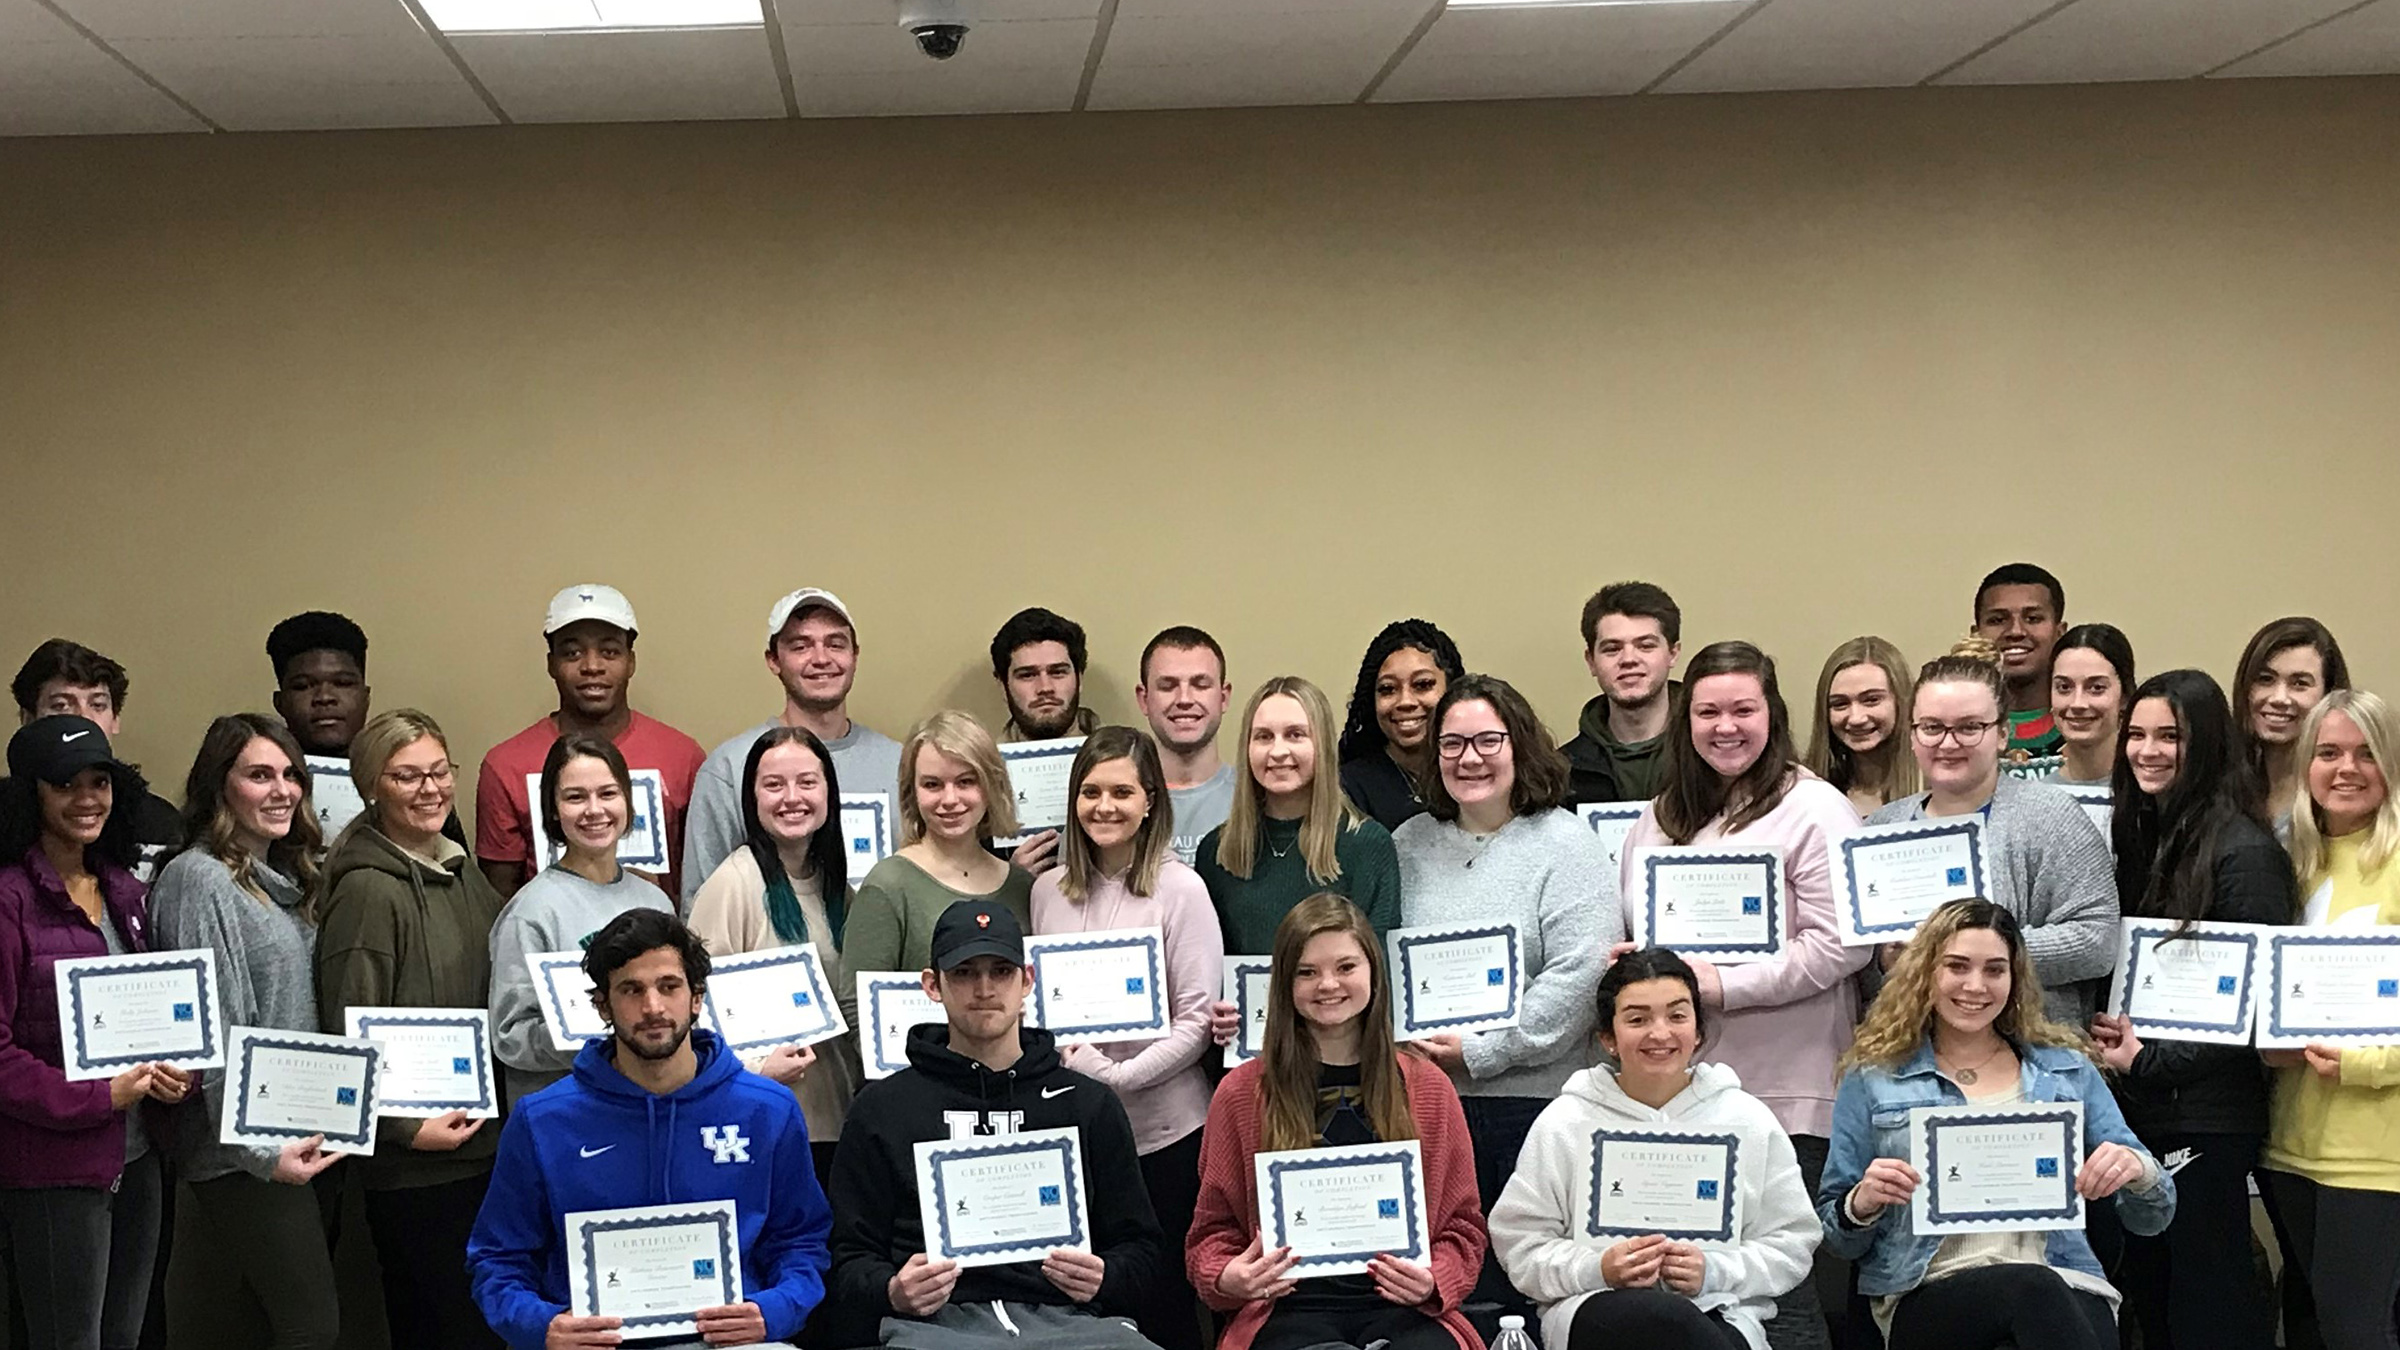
x,y
1648,1290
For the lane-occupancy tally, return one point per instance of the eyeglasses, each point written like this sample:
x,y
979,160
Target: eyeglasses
x,y
409,780
1486,743
1967,734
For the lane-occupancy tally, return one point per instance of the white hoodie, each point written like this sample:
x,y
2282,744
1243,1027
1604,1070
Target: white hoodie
x,y
1537,1226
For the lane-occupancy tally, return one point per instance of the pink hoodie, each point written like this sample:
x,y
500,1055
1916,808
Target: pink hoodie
x,y
1787,1020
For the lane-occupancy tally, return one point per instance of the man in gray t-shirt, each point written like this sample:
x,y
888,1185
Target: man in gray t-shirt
x,y
1183,695
812,650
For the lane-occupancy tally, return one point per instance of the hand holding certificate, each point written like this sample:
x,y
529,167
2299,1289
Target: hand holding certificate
x,y
1888,878
1037,774
115,1012
2192,985
1454,979
434,1060
657,1267
1996,1169
772,998
1724,905
287,1085
1339,1208
1003,1198
1104,985
1677,1184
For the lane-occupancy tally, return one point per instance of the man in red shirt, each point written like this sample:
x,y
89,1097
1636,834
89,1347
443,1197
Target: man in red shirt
x,y
590,631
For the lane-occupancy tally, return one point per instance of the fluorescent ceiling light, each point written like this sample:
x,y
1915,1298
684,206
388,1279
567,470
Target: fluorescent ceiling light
x,y
588,16
1570,4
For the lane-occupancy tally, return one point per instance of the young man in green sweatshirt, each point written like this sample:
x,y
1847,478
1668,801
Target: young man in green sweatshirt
x,y
1632,633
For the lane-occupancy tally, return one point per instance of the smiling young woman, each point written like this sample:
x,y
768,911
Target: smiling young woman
x,y
955,799
2286,670
1858,743
1387,738
2091,673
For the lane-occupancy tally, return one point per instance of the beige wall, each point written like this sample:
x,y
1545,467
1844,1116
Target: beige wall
x,y
1812,361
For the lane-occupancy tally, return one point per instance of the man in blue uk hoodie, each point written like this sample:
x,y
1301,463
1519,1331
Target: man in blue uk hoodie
x,y
659,1113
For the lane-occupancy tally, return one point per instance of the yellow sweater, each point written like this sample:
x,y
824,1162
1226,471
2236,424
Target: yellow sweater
x,y
2344,1133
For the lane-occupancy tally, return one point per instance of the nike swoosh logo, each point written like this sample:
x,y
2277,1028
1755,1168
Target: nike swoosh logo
x,y
595,1152
72,735
1048,1093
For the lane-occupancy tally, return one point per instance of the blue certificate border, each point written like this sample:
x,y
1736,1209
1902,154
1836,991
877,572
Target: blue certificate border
x,y
2070,1163
81,1051
1592,813
1241,1006
789,956
482,1101
2277,943
1409,1024
879,804
1971,827
2133,965
1013,756
1158,994
550,995
1710,857
1074,1236
362,1137
873,1017
653,809
726,1257
1733,1183
1278,1169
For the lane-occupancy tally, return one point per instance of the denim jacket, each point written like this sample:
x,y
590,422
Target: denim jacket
x,y
1870,1121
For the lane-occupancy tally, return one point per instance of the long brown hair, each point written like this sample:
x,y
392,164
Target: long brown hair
x,y
1902,1018
1830,758
1287,1102
1150,838
1691,793
208,819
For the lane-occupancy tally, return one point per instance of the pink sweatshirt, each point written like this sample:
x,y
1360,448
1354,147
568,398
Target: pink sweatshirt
x,y
1787,1020
1161,1082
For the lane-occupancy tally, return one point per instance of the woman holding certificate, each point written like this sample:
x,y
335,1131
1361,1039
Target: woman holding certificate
x,y
250,1265
955,799
1329,1077
2091,672
1120,874
79,1197
1960,1022
2332,1164
1858,744
1656,1203
404,920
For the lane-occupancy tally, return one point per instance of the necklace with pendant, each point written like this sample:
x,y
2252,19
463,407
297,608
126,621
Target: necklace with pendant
x,y
1967,1075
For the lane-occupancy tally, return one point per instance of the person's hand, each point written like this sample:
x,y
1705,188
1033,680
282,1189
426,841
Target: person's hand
x,y
1257,1273
1402,1282
169,1084
1084,1059
1443,1051
131,1086
569,1332
1887,1181
2110,1169
1712,985
1075,1274
1683,1268
1888,955
1038,854
788,1064
1633,1263
1620,951
1224,1022
732,1324
920,1288
2284,1059
298,1162
444,1133
2325,1059
2117,1042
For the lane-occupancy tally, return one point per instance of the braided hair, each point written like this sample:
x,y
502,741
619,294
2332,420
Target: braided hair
x,y
1360,735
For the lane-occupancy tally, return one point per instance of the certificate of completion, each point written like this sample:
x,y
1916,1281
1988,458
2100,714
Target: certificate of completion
x,y
1996,1169
1887,878
644,847
1246,990
867,825
772,998
286,1085
889,1003
1725,905
565,993
1454,978
1338,1207
143,1008
1612,821
656,1266
2195,985
995,1199
1679,1184
2338,986
1037,774
1105,985
435,1060
333,793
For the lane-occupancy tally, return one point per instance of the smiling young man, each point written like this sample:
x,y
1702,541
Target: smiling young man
x,y
1632,633
980,1073
590,632
1183,695
812,651
2021,609
63,677
658,1113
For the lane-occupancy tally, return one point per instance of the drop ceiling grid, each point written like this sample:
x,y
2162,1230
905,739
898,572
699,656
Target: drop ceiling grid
x,y
669,76
2364,41
55,82
855,69
2109,40
1847,44
1567,52
1174,54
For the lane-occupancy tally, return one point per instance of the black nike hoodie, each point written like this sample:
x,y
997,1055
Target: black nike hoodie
x,y
874,1185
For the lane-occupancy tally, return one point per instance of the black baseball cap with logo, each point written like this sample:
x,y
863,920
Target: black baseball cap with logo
x,y
56,748
973,928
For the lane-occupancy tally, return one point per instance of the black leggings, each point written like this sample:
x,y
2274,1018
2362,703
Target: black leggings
x,y
421,1242
1287,1328
2348,1243
1652,1319
2193,1286
2025,1306
251,1268
1170,1316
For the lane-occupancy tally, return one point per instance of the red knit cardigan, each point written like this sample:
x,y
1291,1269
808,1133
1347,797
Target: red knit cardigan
x,y
1227,1217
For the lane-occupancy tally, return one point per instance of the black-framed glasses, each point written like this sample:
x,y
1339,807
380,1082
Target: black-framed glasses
x,y
1486,743
1967,734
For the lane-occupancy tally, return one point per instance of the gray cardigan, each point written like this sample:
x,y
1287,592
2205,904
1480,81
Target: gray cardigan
x,y
2052,870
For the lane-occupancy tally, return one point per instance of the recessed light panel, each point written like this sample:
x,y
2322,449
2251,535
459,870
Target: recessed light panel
x,y
588,16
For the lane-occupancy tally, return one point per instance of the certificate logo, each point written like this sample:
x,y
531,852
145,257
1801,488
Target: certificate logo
x,y
1708,1190
704,1268
2045,1168
183,1012
2387,989
458,1064
345,1096
2226,984
1954,876
1134,984
1049,1195
800,998
1495,977
1753,904
861,846
1387,1209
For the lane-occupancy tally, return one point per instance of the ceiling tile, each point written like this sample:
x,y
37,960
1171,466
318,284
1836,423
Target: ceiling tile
x,y
874,70
115,19
803,13
2093,40
2362,42
1325,53
1565,52
1848,44
291,83
662,76
53,82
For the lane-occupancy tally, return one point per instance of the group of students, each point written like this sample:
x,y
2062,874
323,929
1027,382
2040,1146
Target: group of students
x,y
1438,798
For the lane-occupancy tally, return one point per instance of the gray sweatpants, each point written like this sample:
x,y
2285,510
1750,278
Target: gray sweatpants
x,y
984,1326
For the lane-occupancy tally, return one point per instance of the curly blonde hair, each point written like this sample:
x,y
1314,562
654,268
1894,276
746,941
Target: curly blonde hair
x,y
1902,1019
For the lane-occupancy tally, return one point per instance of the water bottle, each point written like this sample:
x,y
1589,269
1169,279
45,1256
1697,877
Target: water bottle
x,y
1512,1335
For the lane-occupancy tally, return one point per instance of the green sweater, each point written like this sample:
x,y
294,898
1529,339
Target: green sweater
x,y
890,925
1249,909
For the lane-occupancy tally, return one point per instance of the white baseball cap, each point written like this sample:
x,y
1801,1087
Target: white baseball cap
x,y
577,603
801,599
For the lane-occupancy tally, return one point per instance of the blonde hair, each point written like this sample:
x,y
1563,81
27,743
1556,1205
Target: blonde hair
x,y
1830,759
1329,812
384,735
1901,1020
962,738
2373,718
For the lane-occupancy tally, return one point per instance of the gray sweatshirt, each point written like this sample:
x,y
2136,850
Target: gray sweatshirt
x,y
863,761
1548,874
2052,870
266,963
557,911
